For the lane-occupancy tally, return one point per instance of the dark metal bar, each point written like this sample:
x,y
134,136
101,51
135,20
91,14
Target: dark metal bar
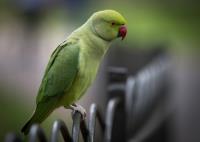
x,y
11,137
93,114
76,126
37,132
129,103
145,100
110,113
84,131
92,122
59,126
101,121
117,74
149,84
116,89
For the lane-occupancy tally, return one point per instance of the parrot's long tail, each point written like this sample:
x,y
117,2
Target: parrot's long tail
x,y
41,113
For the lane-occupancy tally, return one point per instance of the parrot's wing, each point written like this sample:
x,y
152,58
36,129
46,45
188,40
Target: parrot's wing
x,y
60,71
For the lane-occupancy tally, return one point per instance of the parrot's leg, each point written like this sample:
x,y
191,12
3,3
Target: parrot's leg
x,y
79,108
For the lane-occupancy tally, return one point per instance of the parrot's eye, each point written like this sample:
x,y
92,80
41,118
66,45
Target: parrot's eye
x,y
113,23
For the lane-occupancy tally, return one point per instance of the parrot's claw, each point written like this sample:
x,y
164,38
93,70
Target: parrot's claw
x,y
80,109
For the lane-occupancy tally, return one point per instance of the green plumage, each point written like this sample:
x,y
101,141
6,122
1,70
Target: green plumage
x,y
59,75
60,72
73,65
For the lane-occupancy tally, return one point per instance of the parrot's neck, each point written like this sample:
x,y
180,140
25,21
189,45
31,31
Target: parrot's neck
x,y
95,45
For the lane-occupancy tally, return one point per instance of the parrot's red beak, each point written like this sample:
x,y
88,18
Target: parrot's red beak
x,y
122,32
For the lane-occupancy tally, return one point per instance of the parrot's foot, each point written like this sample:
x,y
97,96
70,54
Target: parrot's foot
x,y
79,108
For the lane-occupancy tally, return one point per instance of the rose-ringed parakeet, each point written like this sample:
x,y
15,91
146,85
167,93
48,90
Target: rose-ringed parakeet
x,y
74,63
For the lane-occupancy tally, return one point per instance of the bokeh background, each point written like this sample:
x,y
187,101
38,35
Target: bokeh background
x,y
31,29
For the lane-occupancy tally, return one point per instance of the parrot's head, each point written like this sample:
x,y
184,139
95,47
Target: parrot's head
x,y
109,24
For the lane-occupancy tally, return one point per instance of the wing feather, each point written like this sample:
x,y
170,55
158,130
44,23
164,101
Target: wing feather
x,y
60,71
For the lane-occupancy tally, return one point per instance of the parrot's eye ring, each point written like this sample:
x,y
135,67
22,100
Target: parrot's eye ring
x,y
113,23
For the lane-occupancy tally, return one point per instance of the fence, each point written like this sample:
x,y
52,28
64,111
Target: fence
x,y
134,109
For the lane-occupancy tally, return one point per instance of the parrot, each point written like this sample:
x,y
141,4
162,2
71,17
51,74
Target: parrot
x,y
73,65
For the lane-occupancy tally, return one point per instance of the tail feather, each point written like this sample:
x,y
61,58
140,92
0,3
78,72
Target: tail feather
x,y
25,129
40,114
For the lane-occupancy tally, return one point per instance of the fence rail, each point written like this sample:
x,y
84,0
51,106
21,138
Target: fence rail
x,y
133,100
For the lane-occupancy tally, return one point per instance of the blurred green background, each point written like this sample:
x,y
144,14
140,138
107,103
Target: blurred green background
x,y
31,29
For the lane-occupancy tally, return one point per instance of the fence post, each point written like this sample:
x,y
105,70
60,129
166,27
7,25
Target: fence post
x,y
116,89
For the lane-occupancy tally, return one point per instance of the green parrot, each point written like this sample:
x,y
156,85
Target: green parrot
x,y
74,64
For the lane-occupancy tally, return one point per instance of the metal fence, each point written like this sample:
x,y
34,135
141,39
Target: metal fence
x,y
134,101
